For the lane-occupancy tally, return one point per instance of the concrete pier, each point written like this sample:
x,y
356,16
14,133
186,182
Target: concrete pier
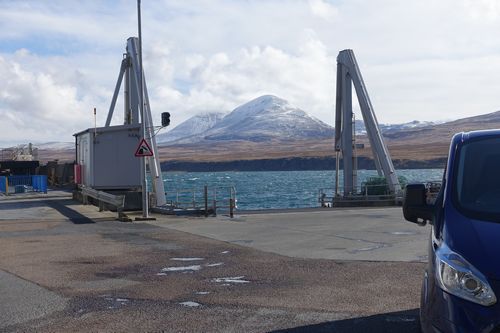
x,y
343,270
369,234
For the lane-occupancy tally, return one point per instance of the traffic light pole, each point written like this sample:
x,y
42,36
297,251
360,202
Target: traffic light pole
x,y
145,203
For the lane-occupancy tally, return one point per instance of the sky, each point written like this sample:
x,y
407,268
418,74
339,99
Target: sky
x,y
421,60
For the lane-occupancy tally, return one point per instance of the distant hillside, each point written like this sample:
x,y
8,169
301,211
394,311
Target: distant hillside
x,y
361,129
263,119
442,133
411,145
269,128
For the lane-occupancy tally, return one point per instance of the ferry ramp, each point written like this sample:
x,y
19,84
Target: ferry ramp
x,y
366,234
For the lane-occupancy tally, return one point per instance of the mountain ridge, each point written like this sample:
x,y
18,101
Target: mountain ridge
x,y
262,119
238,138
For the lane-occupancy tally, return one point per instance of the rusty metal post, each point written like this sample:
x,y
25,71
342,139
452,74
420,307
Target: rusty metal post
x,y
231,207
215,202
205,192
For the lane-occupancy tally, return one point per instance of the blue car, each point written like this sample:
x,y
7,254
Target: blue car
x,y
461,282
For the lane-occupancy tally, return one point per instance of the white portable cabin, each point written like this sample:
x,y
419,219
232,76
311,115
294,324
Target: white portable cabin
x,y
105,157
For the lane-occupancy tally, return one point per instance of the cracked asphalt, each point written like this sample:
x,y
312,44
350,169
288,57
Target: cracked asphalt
x,y
67,267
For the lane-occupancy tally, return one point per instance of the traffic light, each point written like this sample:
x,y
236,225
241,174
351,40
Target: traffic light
x,y
165,119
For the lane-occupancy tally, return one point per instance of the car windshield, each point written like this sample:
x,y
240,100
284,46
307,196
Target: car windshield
x,y
477,192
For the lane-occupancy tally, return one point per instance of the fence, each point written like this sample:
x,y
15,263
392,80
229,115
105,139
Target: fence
x,y
37,183
327,196
365,191
206,199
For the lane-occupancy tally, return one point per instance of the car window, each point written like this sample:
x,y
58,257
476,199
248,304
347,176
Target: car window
x,y
477,179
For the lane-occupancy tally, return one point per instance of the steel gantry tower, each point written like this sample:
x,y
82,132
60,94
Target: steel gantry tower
x,y
130,70
348,74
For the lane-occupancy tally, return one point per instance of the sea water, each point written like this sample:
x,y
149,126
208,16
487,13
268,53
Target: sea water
x,y
275,189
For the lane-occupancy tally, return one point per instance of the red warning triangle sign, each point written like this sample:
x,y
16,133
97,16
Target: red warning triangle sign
x,y
143,149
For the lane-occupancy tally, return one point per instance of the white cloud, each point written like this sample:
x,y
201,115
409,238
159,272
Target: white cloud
x,y
224,81
483,9
425,60
48,103
323,9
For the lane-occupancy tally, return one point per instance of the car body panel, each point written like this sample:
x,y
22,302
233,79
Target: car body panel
x,y
476,241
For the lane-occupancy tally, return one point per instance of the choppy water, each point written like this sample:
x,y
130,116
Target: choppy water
x,y
276,189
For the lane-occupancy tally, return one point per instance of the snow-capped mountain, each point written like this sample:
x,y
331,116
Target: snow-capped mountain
x,y
265,118
55,145
361,129
192,127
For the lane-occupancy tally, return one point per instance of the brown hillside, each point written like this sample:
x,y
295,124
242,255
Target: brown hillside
x,y
417,144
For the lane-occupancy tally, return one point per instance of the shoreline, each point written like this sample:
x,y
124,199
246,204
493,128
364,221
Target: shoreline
x,y
292,164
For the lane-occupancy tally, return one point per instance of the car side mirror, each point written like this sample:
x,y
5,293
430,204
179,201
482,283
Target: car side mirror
x,y
415,206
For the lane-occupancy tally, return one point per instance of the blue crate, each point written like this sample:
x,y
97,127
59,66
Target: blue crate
x,y
39,183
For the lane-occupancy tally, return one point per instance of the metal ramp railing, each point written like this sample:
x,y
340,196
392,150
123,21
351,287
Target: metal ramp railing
x,y
365,193
104,198
203,200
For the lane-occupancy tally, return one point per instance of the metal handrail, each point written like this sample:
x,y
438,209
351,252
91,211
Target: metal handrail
x,y
117,201
205,200
327,195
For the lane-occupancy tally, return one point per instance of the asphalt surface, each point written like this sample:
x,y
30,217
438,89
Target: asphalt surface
x,y
23,300
369,234
66,267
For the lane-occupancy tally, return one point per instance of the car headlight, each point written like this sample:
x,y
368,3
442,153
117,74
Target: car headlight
x,y
457,277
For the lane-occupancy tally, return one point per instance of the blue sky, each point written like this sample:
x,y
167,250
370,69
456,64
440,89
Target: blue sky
x,y
424,60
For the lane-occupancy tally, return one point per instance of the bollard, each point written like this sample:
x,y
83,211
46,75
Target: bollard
x,y
215,202
205,192
231,208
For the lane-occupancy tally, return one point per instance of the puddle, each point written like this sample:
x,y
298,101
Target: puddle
x,y
202,292
215,264
403,233
236,279
113,303
190,304
187,259
370,248
224,252
181,268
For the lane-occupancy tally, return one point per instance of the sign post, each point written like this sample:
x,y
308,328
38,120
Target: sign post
x,y
145,204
